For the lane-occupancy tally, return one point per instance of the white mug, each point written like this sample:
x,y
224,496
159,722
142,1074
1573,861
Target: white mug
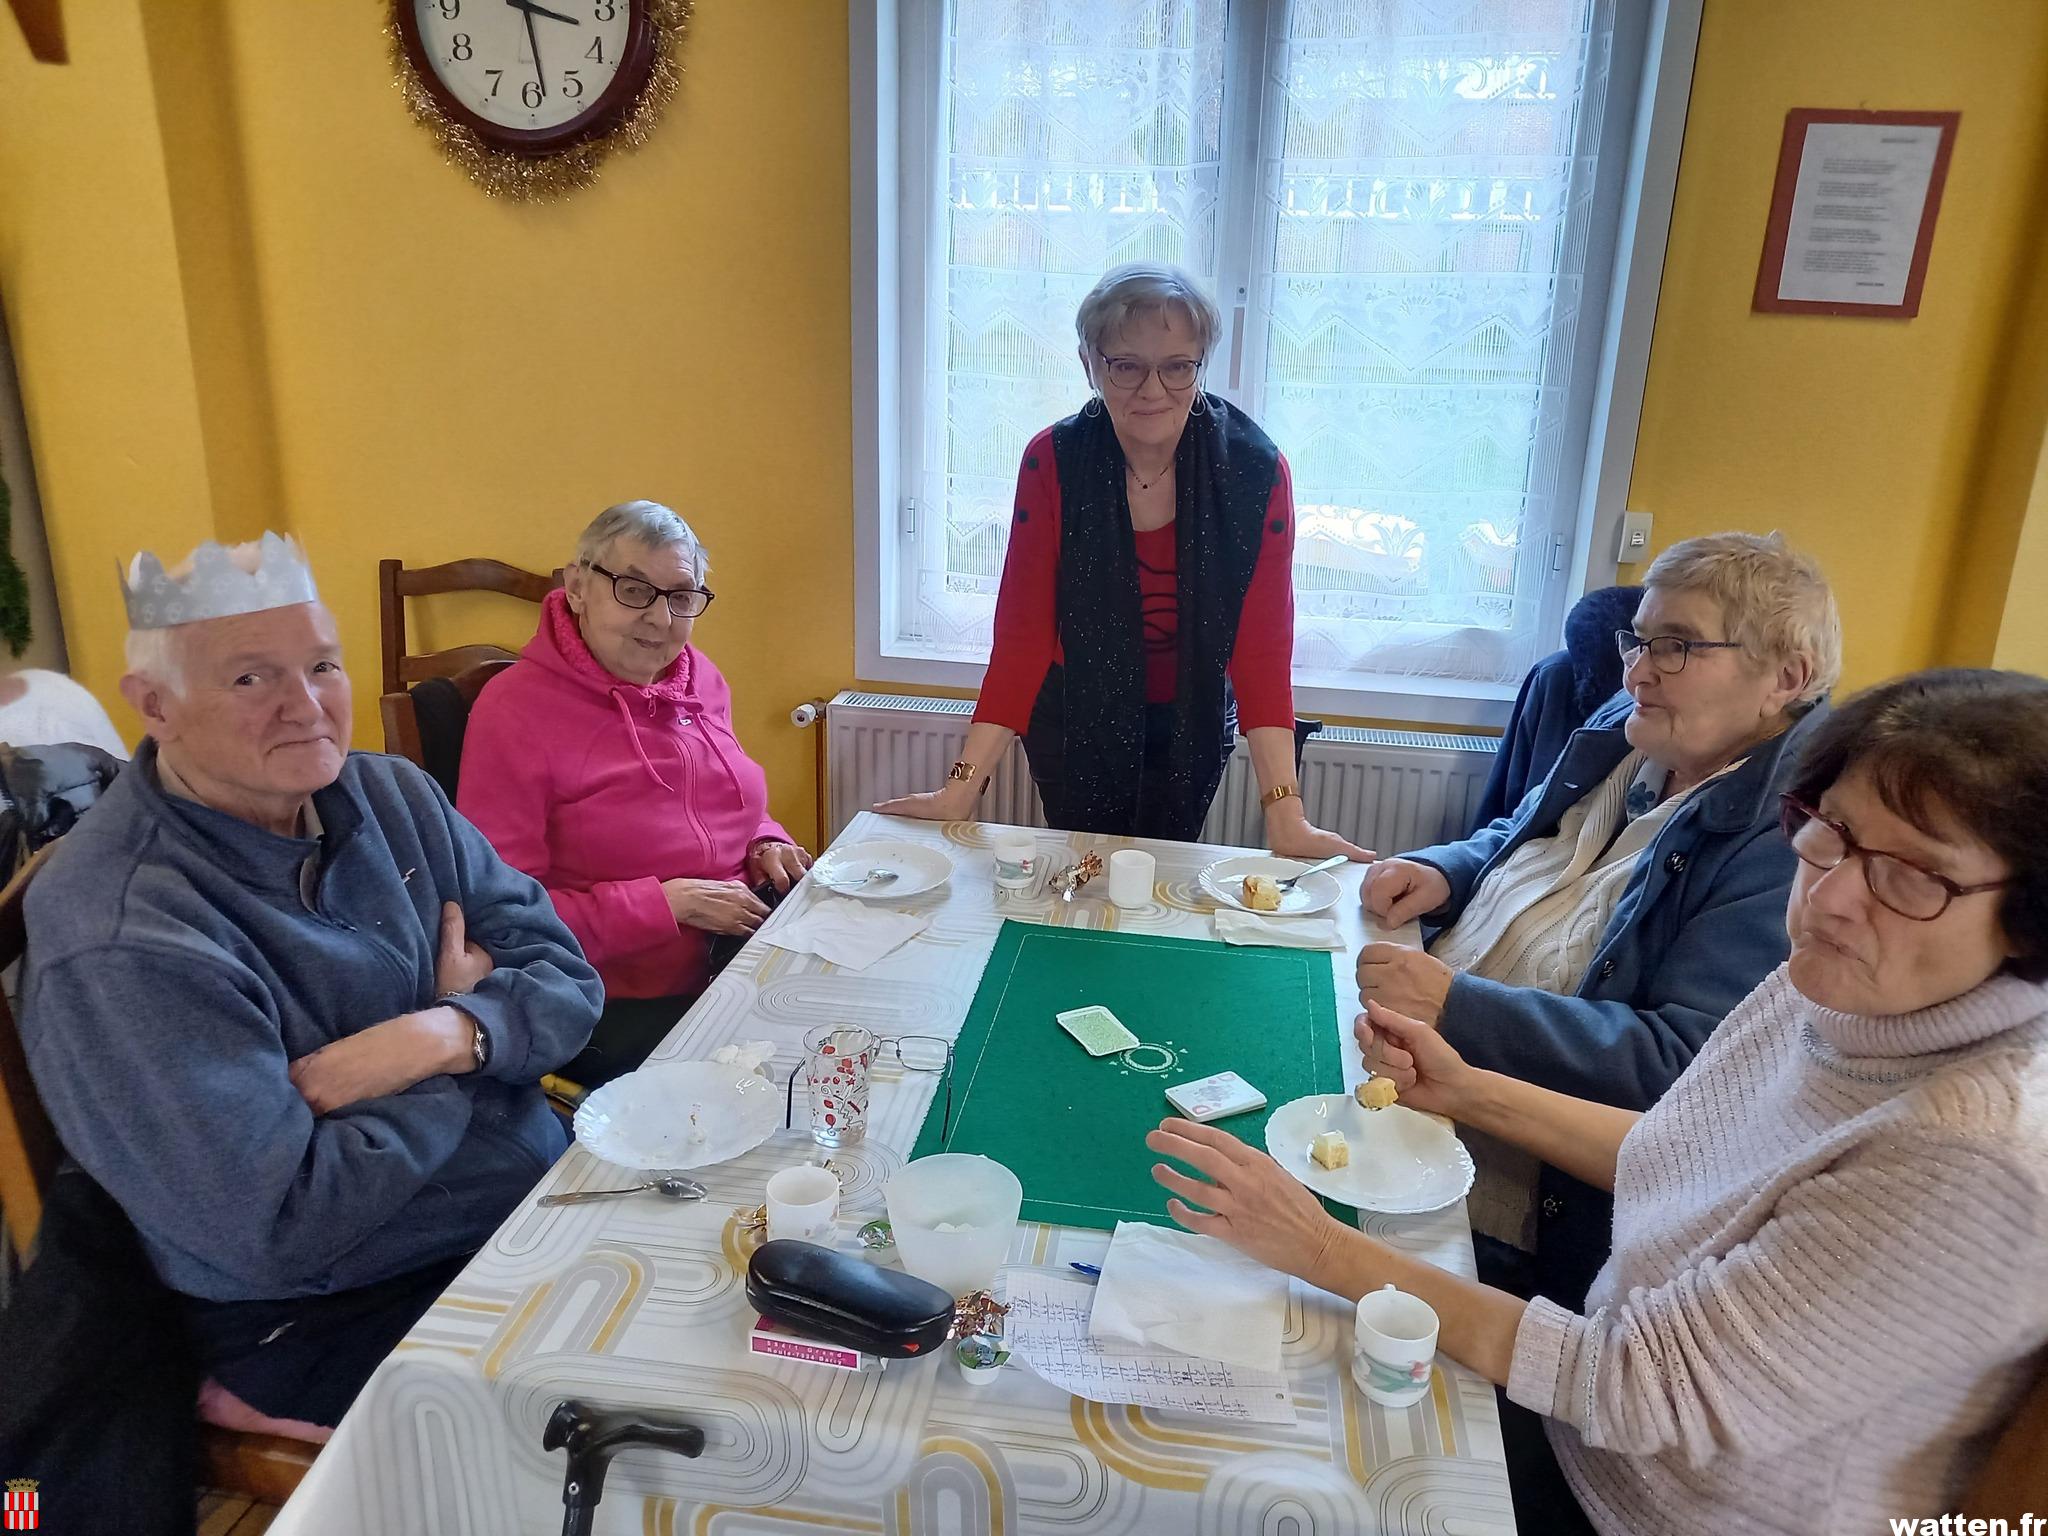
x,y
1394,1347
803,1203
1016,862
1130,877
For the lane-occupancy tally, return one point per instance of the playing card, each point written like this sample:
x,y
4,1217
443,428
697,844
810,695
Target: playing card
x,y
1099,1031
1214,1098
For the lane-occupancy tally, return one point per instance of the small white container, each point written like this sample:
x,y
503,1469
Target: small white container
x,y
803,1203
1394,1347
1017,860
1131,871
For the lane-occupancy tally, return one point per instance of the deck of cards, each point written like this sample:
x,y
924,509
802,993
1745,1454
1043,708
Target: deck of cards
x,y
1215,1098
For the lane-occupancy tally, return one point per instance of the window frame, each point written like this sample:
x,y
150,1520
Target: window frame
x,y
894,45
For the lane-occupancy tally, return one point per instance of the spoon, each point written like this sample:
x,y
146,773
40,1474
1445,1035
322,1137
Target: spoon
x,y
668,1187
1314,869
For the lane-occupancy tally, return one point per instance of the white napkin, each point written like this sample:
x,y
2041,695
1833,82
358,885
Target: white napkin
x,y
1235,927
1191,1294
847,932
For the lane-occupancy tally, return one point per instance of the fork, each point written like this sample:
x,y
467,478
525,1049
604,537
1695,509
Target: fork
x,y
1314,869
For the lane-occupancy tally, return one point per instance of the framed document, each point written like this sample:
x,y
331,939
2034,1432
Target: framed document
x,y
1852,215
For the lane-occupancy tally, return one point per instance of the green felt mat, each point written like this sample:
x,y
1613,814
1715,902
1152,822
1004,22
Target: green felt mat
x,y
1072,1126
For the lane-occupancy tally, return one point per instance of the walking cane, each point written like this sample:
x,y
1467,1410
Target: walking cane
x,y
592,1438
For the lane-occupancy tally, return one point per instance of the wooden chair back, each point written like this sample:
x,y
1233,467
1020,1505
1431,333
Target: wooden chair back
x,y
401,715
2014,1482
29,1149
262,1467
396,583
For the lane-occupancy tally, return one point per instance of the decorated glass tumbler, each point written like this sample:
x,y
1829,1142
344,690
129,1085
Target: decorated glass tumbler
x,y
836,1062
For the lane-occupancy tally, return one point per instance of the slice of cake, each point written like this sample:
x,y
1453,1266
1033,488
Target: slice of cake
x,y
1262,893
1330,1150
1377,1093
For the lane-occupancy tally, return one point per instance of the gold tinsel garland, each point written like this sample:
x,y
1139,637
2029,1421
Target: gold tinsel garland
x,y
531,178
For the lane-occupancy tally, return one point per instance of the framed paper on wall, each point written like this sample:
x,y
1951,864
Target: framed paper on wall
x,y
1852,214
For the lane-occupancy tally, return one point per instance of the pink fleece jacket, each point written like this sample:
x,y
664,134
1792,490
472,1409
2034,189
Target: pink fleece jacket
x,y
601,789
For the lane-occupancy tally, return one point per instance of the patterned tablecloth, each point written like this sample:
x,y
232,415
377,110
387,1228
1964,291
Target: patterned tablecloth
x,y
643,1302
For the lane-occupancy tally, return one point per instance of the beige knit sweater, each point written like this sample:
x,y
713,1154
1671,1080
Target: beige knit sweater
x,y
1830,1274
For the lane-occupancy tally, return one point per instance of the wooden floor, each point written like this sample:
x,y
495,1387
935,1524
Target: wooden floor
x,y
222,1514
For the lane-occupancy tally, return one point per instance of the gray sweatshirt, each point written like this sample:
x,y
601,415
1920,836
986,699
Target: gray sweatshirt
x,y
180,959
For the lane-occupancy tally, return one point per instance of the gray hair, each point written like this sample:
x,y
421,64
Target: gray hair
x,y
1143,287
1774,600
641,522
155,654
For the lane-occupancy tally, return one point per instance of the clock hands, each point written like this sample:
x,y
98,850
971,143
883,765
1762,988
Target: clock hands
x,y
533,10
528,10
533,43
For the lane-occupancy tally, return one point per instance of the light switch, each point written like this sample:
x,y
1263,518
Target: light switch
x,y
1635,538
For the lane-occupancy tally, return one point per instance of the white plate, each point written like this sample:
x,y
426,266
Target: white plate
x,y
1402,1162
679,1114
1224,880
918,869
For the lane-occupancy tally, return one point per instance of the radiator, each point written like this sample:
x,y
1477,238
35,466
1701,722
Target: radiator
x,y
1386,790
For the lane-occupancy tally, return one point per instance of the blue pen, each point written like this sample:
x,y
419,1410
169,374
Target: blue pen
x,y
1087,1269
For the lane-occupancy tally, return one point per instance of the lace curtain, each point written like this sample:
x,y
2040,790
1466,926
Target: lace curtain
x,y
1421,196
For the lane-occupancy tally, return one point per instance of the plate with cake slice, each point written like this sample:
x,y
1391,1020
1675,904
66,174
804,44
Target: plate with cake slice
x,y
1251,883
1395,1160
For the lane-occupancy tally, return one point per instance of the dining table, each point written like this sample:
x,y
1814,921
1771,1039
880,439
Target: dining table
x,y
642,1303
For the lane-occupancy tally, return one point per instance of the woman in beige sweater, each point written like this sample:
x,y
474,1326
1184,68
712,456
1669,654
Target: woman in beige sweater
x,y
1829,1237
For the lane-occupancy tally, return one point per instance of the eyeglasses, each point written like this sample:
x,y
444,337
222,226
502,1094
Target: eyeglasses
x,y
1129,373
632,592
1907,888
1668,653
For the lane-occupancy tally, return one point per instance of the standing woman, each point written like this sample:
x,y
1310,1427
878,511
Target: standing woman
x,y
1147,604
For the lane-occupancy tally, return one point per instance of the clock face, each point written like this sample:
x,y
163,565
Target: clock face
x,y
536,73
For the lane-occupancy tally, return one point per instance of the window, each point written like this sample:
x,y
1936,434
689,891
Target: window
x,y
1408,212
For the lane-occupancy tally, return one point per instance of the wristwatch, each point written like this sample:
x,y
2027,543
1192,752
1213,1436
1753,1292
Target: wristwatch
x,y
961,773
479,1042
1277,793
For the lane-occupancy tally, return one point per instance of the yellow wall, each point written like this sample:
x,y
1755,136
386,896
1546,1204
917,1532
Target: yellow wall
x,y
244,290
1896,451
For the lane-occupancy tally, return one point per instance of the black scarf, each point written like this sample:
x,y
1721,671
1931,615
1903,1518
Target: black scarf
x,y
1224,471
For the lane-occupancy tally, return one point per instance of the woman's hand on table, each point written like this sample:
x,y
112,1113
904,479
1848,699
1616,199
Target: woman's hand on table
x,y
774,862
1301,839
1252,1203
1406,979
1398,891
1425,1068
716,906
953,802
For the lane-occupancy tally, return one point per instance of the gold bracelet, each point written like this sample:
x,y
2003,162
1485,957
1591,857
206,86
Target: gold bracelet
x,y
961,773
1276,794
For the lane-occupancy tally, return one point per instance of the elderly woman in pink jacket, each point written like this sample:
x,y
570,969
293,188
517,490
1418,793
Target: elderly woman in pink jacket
x,y
603,763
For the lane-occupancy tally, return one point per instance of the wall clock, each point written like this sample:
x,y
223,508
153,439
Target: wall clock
x,y
529,96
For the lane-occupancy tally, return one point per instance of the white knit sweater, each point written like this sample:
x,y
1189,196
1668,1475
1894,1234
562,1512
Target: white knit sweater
x,y
1827,1287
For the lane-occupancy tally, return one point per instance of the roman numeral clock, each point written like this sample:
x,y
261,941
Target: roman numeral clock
x,y
529,96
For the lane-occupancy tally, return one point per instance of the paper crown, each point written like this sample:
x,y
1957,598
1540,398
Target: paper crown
x,y
217,581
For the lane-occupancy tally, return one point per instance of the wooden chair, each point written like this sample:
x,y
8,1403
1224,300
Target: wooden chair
x,y
440,754
262,1467
395,584
2014,1482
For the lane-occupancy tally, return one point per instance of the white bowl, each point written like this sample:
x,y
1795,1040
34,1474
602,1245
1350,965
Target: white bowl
x,y
679,1114
975,1197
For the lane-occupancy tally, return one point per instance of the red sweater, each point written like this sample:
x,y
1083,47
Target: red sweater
x,y
1027,641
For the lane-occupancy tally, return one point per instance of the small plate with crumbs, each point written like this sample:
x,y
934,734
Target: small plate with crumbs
x,y
1398,1161
1224,881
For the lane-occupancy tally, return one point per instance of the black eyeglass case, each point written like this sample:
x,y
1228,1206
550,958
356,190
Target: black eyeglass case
x,y
838,1299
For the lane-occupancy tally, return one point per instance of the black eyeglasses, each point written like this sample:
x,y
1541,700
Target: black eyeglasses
x,y
1130,373
1668,653
632,592
1906,888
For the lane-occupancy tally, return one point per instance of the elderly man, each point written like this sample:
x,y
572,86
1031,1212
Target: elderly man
x,y
284,1003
